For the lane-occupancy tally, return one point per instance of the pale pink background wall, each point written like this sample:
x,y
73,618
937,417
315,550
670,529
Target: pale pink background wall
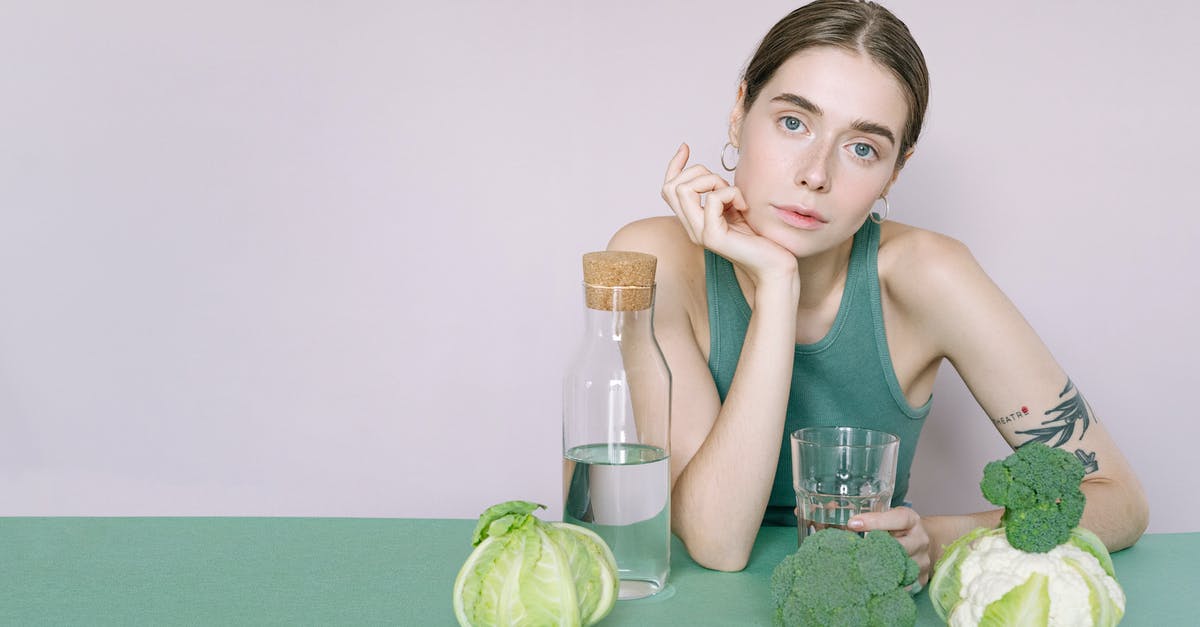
x,y
275,258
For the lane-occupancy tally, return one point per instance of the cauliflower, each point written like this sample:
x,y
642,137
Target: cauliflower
x,y
982,579
1038,568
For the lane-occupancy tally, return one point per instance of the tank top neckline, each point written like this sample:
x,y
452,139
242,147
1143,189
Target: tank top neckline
x,y
854,270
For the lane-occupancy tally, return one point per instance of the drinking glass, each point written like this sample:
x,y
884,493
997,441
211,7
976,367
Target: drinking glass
x,y
839,472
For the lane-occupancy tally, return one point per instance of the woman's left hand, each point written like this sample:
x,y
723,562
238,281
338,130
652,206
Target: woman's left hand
x,y
905,525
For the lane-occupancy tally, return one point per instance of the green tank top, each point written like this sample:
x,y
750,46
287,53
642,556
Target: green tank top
x,y
845,379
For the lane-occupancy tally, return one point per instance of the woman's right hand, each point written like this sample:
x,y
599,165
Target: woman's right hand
x,y
719,224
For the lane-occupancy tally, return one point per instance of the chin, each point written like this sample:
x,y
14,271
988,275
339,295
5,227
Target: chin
x,y
799,243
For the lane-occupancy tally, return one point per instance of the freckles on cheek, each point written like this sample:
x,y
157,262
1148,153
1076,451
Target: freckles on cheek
x,y
764,165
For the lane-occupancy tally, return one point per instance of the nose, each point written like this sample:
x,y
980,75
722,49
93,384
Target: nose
x,y
813,171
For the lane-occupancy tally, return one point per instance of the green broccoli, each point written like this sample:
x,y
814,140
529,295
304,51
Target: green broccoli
x,y
839,578
1038,487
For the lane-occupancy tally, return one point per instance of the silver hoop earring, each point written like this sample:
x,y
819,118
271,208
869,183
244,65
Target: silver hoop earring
x,y
725,153
886,210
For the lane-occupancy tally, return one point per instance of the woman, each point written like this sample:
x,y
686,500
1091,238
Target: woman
x,y
782,302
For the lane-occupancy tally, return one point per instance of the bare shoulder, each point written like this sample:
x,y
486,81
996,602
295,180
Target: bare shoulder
x,y
680,300
915,263
661,236
912,257
680,261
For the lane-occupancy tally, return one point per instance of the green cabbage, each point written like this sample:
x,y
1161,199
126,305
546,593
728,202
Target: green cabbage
x,y
524,571
982,580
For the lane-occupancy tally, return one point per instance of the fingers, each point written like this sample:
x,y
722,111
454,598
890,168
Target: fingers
x,y
905,525
704,215
683,190
715,206
688,192
896,519
691,223
916,545
675,165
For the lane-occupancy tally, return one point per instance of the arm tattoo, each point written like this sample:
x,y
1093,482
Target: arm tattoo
x,y
1063,418
1013,417
1089,461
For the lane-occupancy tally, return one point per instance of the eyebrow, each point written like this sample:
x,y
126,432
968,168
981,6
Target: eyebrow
x,y
864,126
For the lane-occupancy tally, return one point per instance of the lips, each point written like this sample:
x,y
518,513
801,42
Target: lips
x,y
800,217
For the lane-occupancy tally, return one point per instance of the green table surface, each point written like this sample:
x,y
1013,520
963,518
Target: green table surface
x,y
355,571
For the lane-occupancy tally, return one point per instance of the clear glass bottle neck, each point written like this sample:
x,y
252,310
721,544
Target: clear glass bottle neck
x,y
614,325
621,320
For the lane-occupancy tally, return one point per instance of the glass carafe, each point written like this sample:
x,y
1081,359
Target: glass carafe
x,y
616,423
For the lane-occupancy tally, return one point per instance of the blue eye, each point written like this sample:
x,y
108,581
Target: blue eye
x,y
863,151
792,123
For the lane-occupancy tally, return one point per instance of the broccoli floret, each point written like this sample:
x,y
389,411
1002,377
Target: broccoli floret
x,y
895,607
882,562
912,573
784,577
1038,486
839,578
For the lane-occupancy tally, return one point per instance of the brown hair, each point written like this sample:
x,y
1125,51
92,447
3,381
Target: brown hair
x,y
858,26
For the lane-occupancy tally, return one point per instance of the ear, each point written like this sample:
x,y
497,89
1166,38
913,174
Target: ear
x,y
896,172
737,116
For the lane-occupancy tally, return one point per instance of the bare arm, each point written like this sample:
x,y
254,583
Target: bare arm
x,y
723,457
1019,385
722,492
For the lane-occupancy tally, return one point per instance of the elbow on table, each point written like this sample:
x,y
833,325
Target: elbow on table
x,y
1127,518
1139,518
715,556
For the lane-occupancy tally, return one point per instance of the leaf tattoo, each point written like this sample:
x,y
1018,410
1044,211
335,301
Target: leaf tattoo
x,y
1088,460
1064,417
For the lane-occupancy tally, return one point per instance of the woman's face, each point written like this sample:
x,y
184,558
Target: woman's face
x,y
818,147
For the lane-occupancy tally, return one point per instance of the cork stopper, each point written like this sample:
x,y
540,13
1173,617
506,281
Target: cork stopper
x,y
618,280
